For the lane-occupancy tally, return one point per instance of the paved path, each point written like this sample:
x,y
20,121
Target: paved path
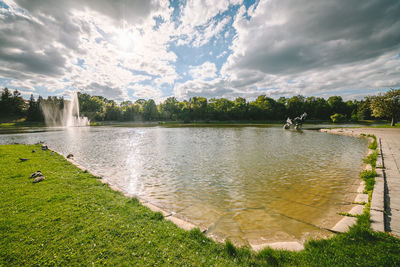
x,y
390,140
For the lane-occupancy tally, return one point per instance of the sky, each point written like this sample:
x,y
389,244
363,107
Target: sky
x,y
133,49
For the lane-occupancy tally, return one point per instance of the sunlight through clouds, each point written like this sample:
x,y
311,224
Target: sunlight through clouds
x,y
204,48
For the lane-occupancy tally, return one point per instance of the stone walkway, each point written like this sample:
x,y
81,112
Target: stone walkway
x,y
390,144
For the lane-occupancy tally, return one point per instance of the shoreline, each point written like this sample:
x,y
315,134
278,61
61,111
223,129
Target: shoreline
x,y
186,224
385,202
347,221
339,227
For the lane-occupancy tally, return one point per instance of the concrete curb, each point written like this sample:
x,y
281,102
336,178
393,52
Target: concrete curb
x,y
378,196
377,210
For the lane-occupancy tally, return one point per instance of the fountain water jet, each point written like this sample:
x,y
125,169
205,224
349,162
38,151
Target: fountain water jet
x,y
66,115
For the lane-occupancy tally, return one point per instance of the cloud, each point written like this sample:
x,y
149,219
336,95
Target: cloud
x,y
146,91
202,35
284,37
109,92
278,47
313,47
204,71
199,12
116,44
215,88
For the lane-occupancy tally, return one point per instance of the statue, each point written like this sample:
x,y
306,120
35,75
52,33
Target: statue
x,y
287,124
298,121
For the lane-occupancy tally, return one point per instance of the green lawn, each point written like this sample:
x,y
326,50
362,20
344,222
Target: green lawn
x,y
71,218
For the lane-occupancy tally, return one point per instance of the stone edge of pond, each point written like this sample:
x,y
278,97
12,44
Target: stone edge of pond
x,y
377,201
183,224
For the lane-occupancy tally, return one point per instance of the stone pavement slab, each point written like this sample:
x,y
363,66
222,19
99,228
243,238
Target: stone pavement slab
x,y
390,141
390,145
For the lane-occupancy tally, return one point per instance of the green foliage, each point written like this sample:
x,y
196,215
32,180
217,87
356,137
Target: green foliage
x,y
338,118
34,113
337,105
230,248
371,159
12,105
386,105
98,108
374,144
369,178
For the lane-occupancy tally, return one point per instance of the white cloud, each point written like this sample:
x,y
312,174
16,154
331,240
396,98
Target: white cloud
x,y
199,12
146,91
40,44
214,28
204,71
279,47
340,45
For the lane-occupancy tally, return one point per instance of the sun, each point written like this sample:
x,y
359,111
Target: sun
x,y
125,40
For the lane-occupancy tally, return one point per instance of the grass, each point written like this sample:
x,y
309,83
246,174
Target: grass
x,y
371,159
374,144
21,124
71,218
369,178
386,126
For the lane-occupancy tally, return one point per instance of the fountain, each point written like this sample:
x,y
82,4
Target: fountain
x,y
65,114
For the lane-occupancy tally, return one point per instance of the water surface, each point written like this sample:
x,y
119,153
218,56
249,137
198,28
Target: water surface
x,y
248,184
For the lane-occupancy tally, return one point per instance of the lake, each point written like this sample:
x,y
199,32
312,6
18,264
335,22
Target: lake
x,y
249,184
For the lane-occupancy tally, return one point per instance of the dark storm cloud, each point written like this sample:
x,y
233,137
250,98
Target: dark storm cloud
x,y
296,36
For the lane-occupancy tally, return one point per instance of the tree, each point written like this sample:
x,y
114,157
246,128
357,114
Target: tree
x,y
317,108
263,108
5,103
34,113
198,108
12,105
150,111
337,105
364,109
220,108
240,108
387,105
295,106
338,118
170,109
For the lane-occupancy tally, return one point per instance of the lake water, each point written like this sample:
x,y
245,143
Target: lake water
x,y
248,184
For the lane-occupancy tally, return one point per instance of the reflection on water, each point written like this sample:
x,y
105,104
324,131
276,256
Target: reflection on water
x,y
247,184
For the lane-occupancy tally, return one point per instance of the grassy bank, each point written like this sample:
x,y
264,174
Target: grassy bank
x,y
71,218
22,124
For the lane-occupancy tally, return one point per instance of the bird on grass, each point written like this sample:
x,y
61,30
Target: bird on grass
x,y
23,159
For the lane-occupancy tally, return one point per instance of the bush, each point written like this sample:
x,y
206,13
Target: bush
x,y
338,118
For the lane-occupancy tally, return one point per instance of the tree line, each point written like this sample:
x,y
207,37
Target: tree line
x,y
263,108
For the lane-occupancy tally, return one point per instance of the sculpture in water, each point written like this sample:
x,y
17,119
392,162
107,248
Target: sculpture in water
x,y
297,122
66,115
